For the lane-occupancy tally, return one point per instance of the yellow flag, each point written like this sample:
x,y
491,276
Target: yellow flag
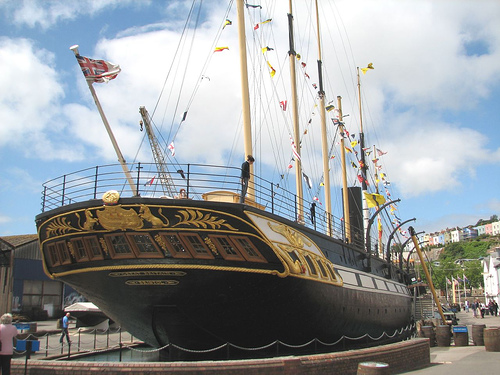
x,y
374,200
370,66
273,71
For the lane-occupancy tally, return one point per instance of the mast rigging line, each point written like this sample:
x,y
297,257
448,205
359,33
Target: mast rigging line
x,y
205,65
168,74
170,71
204,68
175,56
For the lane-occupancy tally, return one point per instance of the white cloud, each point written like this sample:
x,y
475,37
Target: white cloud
x,y
30,90
4,219
431,155
493,205
418,49
47,13
421,70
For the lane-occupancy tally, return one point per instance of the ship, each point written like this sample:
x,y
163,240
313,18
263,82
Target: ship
x,y
214,274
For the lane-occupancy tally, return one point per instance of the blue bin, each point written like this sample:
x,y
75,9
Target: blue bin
x,y
22,344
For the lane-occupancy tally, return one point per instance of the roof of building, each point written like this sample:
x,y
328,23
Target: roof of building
x,y
20,240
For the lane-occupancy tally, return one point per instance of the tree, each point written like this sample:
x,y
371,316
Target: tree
x,y
453,251
445,270
475,249
473,270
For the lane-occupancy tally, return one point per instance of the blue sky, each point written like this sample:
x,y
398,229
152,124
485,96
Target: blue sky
x,y
430,103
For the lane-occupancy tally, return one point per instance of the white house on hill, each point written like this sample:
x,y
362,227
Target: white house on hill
x,y
491,270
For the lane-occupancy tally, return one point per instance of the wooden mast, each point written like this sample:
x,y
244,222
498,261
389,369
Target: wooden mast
x,y
245,96
345,192
324,144
295,118
364,187
119,154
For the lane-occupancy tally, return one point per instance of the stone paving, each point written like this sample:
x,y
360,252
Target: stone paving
x,y
464,360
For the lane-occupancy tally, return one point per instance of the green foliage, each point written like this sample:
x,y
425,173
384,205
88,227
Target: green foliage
x,y
447,267
476,249
474,272
453,251
465,250
471,249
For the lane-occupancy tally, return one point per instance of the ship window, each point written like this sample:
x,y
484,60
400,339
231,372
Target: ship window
x,y
63,252
380,284
322,269
144,246
392,287
119,246
196,246
332,273
248,250
226,248
366,281
79,247
294,256
310,263
93,247
52,255
175,246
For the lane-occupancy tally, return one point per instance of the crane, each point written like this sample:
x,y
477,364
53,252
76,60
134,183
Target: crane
x,y
166,181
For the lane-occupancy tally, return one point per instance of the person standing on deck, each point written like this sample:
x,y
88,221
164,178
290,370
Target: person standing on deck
x,y
245,176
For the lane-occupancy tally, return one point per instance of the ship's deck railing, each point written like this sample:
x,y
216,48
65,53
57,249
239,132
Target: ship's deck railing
x,y
196,179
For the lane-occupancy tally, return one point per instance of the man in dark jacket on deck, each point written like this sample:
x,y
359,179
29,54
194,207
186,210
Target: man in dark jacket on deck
x,y
245,176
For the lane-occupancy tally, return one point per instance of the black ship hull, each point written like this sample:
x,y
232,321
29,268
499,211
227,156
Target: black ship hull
x,y
198,274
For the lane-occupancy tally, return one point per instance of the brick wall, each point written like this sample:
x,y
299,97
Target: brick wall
x,y
345,363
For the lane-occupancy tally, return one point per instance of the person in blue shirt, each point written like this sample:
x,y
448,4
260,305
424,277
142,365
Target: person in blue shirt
x,y
65,326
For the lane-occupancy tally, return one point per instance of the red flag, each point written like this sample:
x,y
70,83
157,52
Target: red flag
x,y
98,70
150,182
171,147
294,149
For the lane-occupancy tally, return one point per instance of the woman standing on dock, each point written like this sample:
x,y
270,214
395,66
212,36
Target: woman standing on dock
x,y
7,333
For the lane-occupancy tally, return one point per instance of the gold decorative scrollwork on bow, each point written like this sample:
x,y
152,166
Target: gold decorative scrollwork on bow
x,y
116,217
200,220
295,238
